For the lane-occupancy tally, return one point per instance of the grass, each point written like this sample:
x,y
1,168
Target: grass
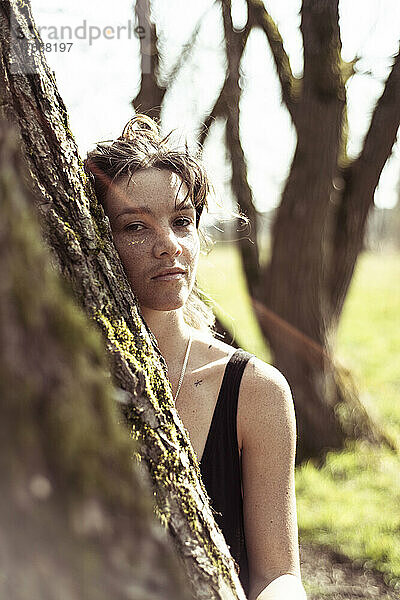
x,y
369,334
352,506
352,503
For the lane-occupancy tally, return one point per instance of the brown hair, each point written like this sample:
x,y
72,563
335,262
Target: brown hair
x,y
140,147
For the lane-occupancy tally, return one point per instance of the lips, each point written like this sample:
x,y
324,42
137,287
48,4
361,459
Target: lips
x,y
170,273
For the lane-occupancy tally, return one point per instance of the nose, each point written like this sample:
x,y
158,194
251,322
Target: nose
x,y
167,243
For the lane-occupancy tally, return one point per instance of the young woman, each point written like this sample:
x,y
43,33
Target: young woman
x,y
237,409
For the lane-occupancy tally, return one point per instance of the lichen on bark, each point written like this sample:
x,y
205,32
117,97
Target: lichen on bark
x,y
76,515
78,233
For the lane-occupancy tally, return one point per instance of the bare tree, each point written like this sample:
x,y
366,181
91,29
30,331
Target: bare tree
x,y
76,229
320,224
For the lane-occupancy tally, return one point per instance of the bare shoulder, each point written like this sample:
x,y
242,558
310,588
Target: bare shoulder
x,y
265,413
211,349
265,405
264,380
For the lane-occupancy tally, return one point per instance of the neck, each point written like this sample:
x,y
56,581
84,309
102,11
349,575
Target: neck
x,y
172,334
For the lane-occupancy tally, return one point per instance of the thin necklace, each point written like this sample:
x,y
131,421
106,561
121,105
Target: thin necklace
x,y
185,361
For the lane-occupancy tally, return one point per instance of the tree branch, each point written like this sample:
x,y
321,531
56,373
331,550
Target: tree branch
x,y
218,110
290,86
151,94
187,49
235,44
383,128
360,179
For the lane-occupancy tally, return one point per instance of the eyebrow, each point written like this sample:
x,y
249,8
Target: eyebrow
x,y
137,210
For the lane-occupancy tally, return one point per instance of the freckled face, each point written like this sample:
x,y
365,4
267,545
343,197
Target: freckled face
x,y
158,242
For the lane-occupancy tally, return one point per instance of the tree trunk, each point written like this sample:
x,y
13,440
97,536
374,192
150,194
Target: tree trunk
x,y
297,281
293,284
293,295
77,230
76,514
151,94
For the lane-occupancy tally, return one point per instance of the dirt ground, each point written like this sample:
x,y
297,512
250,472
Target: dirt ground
x,y
329,576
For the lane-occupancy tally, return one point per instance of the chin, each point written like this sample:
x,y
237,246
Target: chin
x,y
169,307
171,299
166,305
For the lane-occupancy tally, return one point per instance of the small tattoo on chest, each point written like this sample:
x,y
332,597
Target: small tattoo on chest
x,y
196,383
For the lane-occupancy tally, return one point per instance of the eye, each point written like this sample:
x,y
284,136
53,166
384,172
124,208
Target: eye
x,y
134,227
183,221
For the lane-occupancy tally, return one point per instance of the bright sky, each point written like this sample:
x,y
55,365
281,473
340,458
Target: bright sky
x,y
97,80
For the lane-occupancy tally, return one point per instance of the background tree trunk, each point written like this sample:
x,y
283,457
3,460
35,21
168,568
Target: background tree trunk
x,y
320,223
151,94
77,230
293,282
313,251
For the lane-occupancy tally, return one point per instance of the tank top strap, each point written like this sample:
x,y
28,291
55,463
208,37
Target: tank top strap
x,y
220,465
225,412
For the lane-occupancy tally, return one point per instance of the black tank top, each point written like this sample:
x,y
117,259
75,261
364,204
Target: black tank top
x,y
220,465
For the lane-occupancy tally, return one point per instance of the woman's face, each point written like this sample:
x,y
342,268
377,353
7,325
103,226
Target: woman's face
x,y
156,236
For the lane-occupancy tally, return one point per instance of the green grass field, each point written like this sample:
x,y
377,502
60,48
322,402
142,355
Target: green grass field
x,y
352,504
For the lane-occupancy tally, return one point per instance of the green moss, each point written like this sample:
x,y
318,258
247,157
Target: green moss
x,y
70,233
72,388
166,471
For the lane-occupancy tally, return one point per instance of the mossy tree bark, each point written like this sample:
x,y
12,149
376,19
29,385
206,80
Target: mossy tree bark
x,y
76,516
76,229
320,224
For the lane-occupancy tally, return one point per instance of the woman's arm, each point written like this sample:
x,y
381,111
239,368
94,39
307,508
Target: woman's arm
x,y
285,587
267,427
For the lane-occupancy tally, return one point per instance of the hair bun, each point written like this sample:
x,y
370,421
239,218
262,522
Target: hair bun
x,y
140,125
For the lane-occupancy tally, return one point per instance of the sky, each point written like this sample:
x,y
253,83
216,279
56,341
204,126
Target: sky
x,y
97,78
